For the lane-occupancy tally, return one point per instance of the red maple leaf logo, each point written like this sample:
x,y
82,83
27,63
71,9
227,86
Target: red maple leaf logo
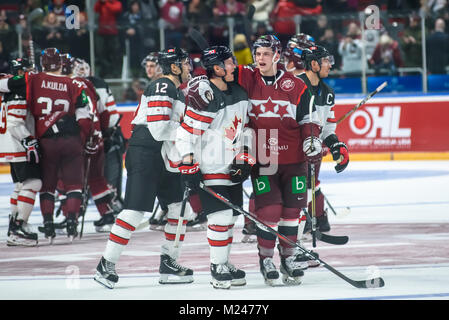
x,y
232,130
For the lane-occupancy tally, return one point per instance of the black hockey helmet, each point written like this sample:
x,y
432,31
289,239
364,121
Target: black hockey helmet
x,y
171,56
215,55
316,53
50,59
19,64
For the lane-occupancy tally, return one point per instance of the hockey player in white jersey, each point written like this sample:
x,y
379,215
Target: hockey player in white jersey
x,y
215,142
152,170
19,147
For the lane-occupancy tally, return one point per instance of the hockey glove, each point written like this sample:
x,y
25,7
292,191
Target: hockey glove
x,y
191,175
241,167
93,143
312,147
32,148
340,154
200,93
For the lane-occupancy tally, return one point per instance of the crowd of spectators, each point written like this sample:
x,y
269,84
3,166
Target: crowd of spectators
x,y
134,26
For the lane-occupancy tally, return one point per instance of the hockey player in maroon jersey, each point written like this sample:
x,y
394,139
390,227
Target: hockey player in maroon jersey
x,y
279,113
152,170
101,193
20,148
215,142
63,123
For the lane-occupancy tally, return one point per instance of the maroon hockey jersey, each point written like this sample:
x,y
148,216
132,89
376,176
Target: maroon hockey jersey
x,y
279,114
51,97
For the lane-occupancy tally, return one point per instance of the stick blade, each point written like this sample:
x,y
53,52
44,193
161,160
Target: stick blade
x,y
371,283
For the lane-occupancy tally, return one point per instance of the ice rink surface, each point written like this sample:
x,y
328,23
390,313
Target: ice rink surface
x,y
398,228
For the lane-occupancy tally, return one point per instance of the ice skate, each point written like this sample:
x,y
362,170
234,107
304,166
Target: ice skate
x,y
106,274
72,231
20,235
249,233
292,271
268,270
302,257
105,223
48,230
172,272
197,224
238,275
221,276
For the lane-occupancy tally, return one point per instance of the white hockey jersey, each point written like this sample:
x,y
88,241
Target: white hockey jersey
x,y
216,135
16,123
161,109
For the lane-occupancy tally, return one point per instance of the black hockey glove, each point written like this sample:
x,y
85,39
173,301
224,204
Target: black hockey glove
x,y
32,148
241,167
340,154
191,175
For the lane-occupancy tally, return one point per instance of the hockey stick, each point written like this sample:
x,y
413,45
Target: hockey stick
x,y
370,283
85,195
198,38
312,174
344,213
337,240
379,88
181,217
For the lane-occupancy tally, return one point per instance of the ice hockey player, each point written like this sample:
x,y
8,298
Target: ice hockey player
x,y
279,113
151,66
152,167
318,62
101,194
216,144
63,125
20,148
114,141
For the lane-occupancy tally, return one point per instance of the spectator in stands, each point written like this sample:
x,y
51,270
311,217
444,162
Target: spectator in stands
x,y
58,8
134,33
242,51
134,91
330,42
7,33
387,56
78,39
108,44
198,13
4,59
222,10
172,13
437,45
318,28
53,32
350,49
433,8
262,12
410,42
150,14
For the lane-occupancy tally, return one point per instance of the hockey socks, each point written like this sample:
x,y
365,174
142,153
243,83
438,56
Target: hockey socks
x,y
120,234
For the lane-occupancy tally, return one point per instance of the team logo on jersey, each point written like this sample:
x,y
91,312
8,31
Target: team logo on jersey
x,y
230,132
287,84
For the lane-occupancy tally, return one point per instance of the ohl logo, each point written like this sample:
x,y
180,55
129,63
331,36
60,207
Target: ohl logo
x,y
367,122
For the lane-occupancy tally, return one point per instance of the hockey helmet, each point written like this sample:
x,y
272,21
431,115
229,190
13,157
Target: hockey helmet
x,y
67,62
50,59
152,56
316,53
294,54
81,68
301,40
171,56
20,64
215,55
268,41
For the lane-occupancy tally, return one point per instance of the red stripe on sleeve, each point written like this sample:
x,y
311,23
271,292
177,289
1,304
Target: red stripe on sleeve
x,y
198,132
198,117
158,118
152,104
